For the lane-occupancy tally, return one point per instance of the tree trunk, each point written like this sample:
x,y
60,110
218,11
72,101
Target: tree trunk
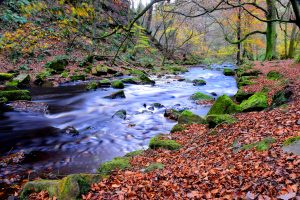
x,y
239,45
149,19
271,31
292,42
296,9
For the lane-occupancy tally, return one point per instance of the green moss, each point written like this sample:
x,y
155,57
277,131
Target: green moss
x,y
245,80
241,95
58,64
92,85
262,145
187,117
100,70
117,163
6,76
201,96
178,128
160,142
228,72
214,120
297,58
79,77
134,153
154,166
133,80
12,84
13,95
291,140
199,82
136,72
274,75
256,102
65,74
175,69
223,105
117,84
104,83
70,187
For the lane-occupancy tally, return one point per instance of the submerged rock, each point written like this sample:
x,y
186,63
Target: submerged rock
x,y
120,114
116,95
29,106
70,130
228,72
157,105
199,82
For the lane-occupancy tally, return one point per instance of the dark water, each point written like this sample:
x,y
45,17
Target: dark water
x,y
101,137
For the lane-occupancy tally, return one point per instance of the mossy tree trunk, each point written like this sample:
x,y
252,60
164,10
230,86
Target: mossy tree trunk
x,y
271,30
292,42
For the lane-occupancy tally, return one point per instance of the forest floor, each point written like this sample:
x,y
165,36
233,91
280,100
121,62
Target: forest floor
x,y
212,162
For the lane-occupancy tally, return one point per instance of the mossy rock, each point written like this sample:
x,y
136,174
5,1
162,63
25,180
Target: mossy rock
x,y
241,95
256,102
201,96
22,80
281,97
228,72
274,75
120,114
133,80
262,145
70,187
100,70
80,77
58,64
12,84
146,80
117,84
199,82
104,83
154,166
116,95
174,69
291,140
245,80
41,77
92,85
248,73
134,153
214,120
160,142
172,114
223,105
6,76
178,128
65,74
13,95
119,163
136,72
187,117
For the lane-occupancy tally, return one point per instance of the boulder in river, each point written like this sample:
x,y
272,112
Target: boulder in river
x,y
201,96
117,84
116,95
172,114
70,130
199,82
228,72
223,105
120,114
157,105
187,117
104,83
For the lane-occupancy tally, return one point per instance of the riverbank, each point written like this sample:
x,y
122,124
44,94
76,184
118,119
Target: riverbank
x,y
257,156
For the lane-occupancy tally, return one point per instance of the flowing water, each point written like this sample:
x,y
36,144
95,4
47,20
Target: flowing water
x,y
101,136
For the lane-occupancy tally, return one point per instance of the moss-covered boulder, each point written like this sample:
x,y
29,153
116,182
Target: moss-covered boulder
x,y
70,187
199,82
77,77
160,141
223,105
136,72
256,102
214,120
58,64
104,83
281,97
118,163
116,95
228,72
92,85
117,84
120,114
187,117
241,95
13,95
5,76
132,80
154,166
245,80
201,96
274,75
146,80
178,128
262,145
172,114
22,80
101,70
